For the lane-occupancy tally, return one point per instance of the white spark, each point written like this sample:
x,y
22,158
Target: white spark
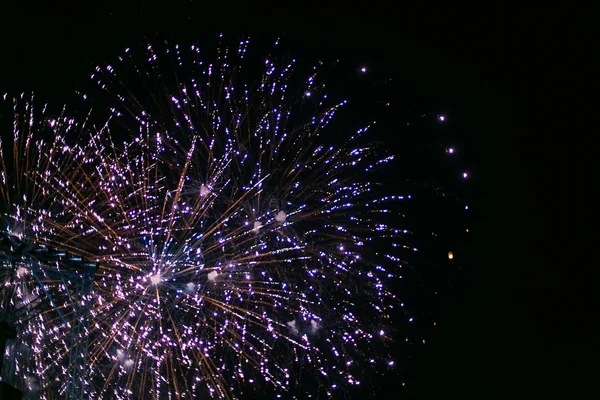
x,y
280,217
212,276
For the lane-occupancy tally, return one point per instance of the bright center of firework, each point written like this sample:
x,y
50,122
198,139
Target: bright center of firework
x,y
155,279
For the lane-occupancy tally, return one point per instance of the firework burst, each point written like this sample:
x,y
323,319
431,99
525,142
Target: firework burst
x,y
237,249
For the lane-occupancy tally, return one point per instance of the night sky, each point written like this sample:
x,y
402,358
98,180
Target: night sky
x,y
517,323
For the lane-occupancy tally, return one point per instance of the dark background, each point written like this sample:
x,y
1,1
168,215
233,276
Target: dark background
x,y
520,322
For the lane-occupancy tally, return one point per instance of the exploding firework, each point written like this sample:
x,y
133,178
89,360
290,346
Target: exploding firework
x,y
237,248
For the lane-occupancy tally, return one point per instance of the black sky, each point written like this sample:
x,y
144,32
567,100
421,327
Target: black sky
x,y
520,324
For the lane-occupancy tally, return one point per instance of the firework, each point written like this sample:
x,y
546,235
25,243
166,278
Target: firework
x,y
238,250
37,296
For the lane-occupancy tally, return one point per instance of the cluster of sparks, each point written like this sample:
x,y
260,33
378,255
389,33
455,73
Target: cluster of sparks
x,y
235,248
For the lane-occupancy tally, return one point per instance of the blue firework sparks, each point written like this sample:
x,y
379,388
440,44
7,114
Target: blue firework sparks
x,y
238,250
